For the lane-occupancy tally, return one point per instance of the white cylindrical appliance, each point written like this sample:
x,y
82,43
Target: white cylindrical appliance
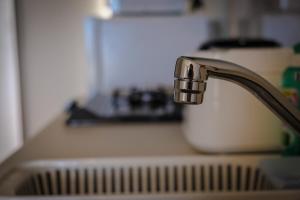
x,y
230,119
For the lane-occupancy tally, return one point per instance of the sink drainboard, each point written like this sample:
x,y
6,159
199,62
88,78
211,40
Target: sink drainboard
x,y
145,176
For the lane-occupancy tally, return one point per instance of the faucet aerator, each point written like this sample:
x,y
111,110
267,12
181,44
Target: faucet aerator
x,y
189,84
188,91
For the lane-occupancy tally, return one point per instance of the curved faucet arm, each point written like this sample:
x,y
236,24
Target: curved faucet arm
x,y
197,70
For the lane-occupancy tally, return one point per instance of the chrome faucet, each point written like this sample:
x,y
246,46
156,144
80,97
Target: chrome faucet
x,y
191,74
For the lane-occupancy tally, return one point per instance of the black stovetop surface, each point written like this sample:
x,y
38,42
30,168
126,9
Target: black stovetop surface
x,y
133,105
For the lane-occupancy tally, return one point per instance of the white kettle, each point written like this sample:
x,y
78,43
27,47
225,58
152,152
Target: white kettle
x,y
231,120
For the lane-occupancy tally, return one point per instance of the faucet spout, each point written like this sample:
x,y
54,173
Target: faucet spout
x,y
191,74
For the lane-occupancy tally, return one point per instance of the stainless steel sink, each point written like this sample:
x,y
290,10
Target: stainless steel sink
x,y
134,177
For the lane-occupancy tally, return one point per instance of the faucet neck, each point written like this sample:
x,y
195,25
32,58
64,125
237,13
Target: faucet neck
x,y
204,68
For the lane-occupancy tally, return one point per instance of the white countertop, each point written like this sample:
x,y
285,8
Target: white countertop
x,y
58,141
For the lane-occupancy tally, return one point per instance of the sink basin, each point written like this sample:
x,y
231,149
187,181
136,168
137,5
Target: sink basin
x,y
159,176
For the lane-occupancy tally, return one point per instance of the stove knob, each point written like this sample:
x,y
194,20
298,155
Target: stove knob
x,y
135,99
116,98
158,100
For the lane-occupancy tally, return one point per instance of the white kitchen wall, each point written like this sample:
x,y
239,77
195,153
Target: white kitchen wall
x,y
142,51
10,110
284,28
52,56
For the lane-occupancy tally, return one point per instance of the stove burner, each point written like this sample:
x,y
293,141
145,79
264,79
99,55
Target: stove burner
x,y
135,99
158,99
133,105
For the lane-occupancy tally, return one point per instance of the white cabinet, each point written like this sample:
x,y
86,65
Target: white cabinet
x,y
10,110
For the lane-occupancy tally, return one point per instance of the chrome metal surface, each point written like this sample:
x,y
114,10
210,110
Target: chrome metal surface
x,y
191,72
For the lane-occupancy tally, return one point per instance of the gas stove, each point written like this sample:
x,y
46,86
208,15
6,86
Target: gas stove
x,y
127,105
